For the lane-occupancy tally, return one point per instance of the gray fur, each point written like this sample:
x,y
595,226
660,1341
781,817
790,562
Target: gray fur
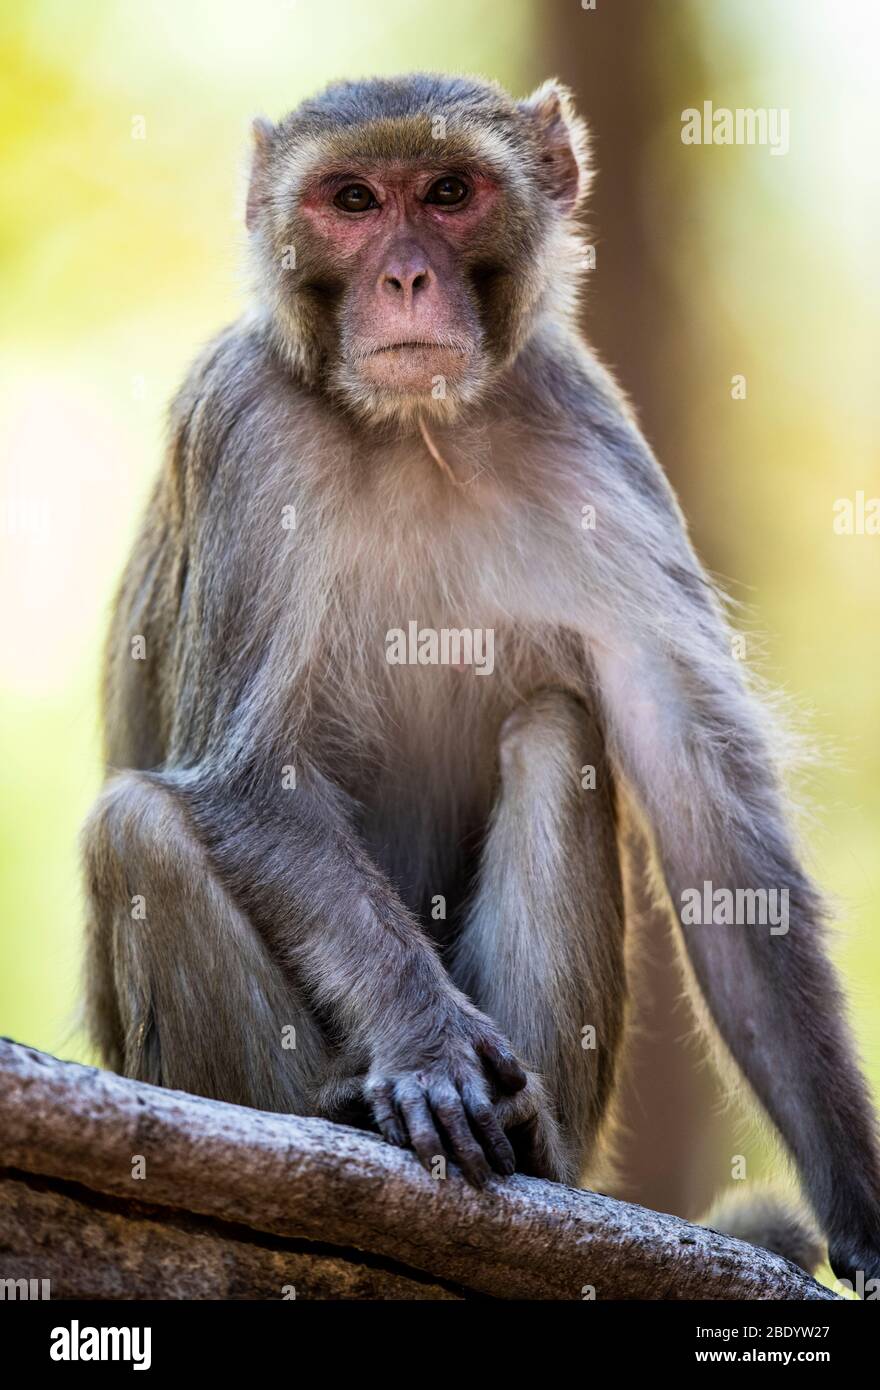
x,y
771,1220
265,649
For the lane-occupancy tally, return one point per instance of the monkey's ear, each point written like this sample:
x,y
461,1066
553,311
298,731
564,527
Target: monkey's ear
x,y
264,138
563,141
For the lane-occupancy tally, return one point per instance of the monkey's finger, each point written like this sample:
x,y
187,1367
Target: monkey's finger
x,y
531,1150
449,1109
413,1106
380,1098
507,1069
484,1122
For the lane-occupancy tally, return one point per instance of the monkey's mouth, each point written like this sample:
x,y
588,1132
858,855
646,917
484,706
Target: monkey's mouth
x,y
419,345
414,365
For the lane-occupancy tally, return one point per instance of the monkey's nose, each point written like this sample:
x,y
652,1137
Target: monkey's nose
x,y
404,282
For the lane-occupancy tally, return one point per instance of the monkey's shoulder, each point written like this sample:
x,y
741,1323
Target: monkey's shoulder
x,y
559,378
236,401
232,376
563,393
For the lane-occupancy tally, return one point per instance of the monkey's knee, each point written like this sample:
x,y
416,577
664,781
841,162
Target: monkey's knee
x,y
137,834
193,998
115,992
102,833
552,735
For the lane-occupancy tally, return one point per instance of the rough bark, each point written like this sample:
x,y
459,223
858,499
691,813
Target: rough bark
x,y
236,1203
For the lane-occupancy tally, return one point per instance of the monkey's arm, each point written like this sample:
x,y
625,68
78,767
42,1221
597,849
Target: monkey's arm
x,y
422,1051
697,759
694,743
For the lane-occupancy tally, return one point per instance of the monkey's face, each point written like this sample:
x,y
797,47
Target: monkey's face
x,y
410,233
404,237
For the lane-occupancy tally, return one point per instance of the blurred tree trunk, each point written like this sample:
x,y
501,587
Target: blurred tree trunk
x,y
622,60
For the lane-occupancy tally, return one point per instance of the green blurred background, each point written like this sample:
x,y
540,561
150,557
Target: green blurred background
x,y
120,256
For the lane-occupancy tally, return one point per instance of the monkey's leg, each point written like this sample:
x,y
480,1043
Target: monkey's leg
x,y
181,990
542,948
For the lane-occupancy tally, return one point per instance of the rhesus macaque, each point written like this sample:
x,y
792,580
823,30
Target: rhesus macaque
x,y
414,863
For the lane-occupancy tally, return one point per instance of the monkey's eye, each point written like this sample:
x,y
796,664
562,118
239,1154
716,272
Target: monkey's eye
x,y
447,192
355,197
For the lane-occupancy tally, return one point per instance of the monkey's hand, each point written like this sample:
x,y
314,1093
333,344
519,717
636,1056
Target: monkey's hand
x,y
435,1094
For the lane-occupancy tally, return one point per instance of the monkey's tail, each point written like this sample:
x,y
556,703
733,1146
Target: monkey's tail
x,y
770,1219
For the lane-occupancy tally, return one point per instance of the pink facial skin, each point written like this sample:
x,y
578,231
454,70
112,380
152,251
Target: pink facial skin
x,y
409,318
400,194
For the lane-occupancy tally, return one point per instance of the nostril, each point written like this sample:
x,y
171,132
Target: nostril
x,y
406,282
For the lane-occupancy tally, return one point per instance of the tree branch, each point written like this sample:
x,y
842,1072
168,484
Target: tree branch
x,y
237,1203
